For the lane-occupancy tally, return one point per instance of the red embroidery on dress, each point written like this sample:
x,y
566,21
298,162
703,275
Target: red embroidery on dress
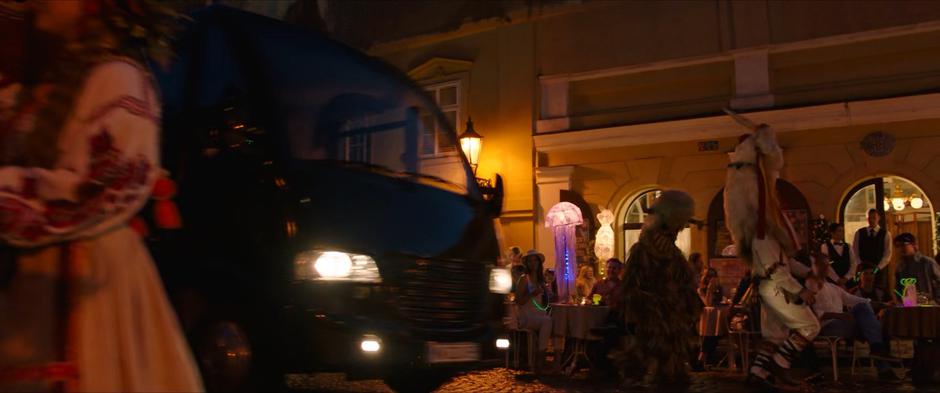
x,y
50,371
113,184
133,105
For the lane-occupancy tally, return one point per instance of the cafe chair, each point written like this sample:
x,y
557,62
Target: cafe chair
x,y
863,350
832,343
742,342
516,336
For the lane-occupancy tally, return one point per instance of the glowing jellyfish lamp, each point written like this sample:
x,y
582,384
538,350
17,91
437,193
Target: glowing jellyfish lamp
x,y
563,218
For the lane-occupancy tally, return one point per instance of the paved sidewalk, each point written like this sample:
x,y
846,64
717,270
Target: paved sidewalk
x,y
506,380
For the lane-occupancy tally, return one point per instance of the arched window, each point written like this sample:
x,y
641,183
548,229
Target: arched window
x,y
633,217
792,202
903,207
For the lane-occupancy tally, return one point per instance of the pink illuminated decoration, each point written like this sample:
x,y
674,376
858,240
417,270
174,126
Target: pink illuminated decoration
x,y
563,218
909,292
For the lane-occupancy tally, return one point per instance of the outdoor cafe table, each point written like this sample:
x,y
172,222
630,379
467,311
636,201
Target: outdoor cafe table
x,y
920,322
575,322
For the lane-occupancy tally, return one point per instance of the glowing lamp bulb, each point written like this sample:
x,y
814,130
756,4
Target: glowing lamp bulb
x,y
500,281
470,143
370,345
502,343
897,203
917,202
333,264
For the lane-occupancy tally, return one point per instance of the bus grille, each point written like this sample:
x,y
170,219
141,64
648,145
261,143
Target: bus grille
x,y
444,299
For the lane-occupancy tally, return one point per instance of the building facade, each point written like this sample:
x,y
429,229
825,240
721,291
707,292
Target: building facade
x,y
604,103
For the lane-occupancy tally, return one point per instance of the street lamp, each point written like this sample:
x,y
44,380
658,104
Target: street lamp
x,y
471,143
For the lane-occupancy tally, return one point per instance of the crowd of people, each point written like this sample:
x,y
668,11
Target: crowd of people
x,y
849,285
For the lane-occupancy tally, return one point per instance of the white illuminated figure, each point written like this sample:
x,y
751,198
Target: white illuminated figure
x,y
604,240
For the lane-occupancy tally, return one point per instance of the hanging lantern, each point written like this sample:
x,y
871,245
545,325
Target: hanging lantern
x,y
897,198
887,204
916,201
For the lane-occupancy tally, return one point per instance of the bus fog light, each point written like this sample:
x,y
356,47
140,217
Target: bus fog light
x,y
370,344
502,343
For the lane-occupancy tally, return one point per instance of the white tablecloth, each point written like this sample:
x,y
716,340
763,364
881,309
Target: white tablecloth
x,y
577,321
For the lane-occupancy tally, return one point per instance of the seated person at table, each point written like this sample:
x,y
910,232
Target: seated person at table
x,y
743,285
913,264
532,302
711,293
858,323
609,287
611,291
516,271
880,300
584,283
551,286
709,289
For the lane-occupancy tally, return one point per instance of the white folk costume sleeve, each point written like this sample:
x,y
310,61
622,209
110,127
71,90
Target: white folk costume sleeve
x,y
798,269
105,172
767,257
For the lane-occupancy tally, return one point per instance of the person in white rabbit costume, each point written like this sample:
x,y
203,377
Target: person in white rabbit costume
x,y
766,241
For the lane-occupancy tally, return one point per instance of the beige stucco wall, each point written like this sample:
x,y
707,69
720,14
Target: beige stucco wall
x,y
638,32
500,100
823,164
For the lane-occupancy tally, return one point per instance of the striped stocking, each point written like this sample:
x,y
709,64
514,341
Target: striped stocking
x,y
761,366
790,349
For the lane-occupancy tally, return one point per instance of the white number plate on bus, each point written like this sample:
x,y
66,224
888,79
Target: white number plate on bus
x,y
453,352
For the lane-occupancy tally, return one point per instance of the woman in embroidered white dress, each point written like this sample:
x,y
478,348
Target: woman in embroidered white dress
x,y
85,308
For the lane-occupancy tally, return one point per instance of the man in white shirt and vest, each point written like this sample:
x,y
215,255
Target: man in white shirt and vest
x,y
842,256
872,245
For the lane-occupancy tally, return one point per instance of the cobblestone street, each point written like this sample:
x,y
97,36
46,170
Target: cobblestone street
x,y
506,380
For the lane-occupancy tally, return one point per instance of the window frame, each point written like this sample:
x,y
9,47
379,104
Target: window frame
x,y
433,90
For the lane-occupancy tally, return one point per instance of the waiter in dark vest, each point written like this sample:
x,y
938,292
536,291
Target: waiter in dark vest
x,y
873,246
844,261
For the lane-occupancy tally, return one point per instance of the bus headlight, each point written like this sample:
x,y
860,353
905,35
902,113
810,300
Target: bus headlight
x,y
370,344
502,343
500,280
335,266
